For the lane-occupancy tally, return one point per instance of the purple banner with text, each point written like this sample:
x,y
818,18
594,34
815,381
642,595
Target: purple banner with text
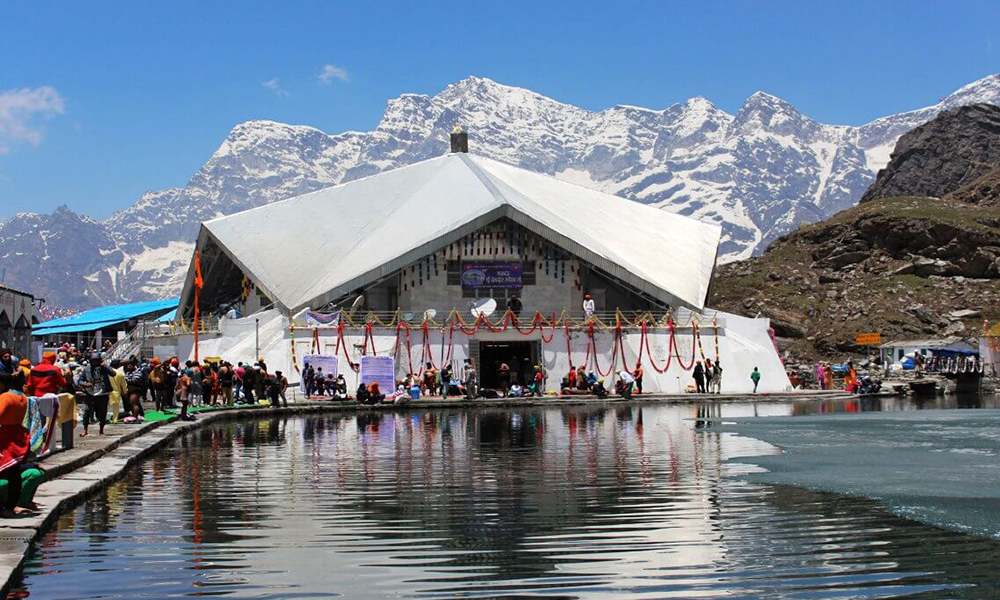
x,y
492,275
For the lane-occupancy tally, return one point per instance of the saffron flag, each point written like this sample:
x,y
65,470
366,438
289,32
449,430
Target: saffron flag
x,y
199,283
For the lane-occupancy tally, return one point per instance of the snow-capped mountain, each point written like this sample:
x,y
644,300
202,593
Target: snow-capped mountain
x,y
760,173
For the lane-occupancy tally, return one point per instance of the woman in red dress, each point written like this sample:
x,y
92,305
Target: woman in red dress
x,y
14,444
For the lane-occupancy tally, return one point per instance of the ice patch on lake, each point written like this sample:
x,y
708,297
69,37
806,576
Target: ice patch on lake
x,y
935,466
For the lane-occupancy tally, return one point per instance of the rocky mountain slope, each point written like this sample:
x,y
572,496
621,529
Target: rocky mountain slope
x,y
904,266
955,149
760,173
985,190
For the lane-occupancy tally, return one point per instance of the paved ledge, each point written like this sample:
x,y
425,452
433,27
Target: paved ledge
x,y
97,461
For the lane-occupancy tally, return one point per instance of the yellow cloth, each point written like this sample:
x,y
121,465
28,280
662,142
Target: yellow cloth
x,y
114,405
118,382
119,390
67,408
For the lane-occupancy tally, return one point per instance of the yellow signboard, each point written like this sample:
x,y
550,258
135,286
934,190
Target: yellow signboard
x,y
868,339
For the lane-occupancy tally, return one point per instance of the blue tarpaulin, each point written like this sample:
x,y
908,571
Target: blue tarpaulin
x,y
105,316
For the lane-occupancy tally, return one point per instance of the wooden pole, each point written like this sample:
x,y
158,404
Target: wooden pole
x,y
196,327
198,284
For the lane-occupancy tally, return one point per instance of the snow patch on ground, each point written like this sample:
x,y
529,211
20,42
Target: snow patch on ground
x,y
878,157
154,259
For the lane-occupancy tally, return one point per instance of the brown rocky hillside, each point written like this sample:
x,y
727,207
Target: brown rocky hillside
x,y
953,150
904,267
984,191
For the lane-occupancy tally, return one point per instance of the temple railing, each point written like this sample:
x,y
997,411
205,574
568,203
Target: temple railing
x,y
572,319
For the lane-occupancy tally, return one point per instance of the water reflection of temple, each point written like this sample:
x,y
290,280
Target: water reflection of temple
x,y
494,486
490,503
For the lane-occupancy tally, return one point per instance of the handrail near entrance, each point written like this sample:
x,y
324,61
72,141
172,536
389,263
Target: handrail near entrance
x,y
128,345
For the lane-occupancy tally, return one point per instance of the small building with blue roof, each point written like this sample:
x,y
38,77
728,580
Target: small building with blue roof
x,y
93,326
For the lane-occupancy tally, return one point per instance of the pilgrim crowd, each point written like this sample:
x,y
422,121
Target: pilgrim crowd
x,y
111,391
118,389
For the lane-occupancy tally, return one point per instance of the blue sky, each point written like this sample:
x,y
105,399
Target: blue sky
x,y
102,101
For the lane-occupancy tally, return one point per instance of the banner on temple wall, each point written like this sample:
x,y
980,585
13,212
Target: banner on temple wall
x,y
323,319
381,369
477,274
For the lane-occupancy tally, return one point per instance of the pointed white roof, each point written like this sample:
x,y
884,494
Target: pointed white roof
x,y
314,248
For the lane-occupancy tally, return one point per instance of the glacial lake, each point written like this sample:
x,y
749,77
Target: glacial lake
x,y
624,501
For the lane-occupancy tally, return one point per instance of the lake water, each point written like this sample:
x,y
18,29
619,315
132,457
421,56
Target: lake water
x,y
627,501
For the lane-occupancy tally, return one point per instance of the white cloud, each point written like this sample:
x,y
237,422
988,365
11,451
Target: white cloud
x,y
274,86
330,72
19,110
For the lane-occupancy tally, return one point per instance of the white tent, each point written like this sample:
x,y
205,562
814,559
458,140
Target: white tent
x,y
319,247
315,248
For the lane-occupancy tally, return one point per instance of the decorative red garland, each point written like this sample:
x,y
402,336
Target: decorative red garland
x,y
590,357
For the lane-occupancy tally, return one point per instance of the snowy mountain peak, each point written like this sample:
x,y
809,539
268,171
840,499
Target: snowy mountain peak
x,y
475,86
982,91
63,210
695,121
762,97
699,103
759,173
402,112
697,109
766,105
475,93
247,134
762,111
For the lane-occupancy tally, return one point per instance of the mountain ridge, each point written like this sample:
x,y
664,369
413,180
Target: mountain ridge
x,y
956,148
760,172
918,256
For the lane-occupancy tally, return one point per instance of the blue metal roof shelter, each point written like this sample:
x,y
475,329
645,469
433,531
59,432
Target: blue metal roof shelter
x,y
105,316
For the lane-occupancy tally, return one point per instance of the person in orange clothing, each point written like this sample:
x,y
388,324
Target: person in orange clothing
x,y
14,444
851,380
45,377
375,394
25,365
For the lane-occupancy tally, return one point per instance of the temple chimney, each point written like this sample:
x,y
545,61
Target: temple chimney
x,y
459,140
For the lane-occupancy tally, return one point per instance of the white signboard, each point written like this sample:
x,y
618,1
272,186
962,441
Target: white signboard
x,y
164,352
381,369
322,361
